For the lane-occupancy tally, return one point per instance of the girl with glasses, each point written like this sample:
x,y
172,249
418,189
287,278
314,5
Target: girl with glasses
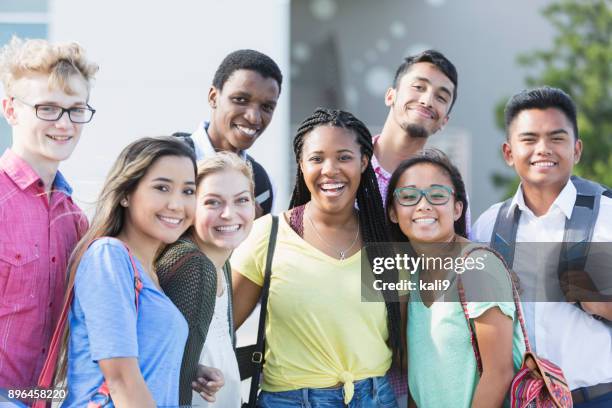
x,y
426,204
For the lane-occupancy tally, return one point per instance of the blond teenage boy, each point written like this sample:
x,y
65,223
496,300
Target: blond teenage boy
x,y
46,89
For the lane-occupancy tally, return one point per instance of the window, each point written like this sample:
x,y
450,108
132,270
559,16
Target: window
x,y
25,19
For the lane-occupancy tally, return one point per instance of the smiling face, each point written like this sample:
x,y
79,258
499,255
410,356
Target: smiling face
x,y
332,163
241,110
425,222
542,148
161,207
40,142
225,211
421,102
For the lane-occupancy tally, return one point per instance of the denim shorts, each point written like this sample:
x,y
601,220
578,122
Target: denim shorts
x,y
373,392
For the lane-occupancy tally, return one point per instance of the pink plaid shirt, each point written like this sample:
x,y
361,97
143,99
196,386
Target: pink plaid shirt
x,y
382,175
36,239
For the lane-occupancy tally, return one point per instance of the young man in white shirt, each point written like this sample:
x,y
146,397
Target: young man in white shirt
x,y
242,98
543,145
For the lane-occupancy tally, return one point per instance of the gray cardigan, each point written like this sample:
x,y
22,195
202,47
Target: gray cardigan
x,y
189,279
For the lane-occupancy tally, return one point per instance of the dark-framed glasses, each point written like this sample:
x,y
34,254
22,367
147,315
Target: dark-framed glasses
x,y
52,113
435,195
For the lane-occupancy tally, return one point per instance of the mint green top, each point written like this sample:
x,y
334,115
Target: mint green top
x,y
442,369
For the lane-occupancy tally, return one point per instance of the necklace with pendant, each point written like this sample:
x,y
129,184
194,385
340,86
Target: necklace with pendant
x,y
342,252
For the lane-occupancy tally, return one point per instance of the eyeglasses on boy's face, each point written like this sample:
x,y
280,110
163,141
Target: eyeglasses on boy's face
x,y
435,195
52,113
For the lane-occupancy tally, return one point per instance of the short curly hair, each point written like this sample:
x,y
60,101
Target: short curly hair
x,y
247,59
60,61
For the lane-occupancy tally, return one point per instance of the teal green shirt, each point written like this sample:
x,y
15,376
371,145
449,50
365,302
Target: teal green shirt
x,y
442,369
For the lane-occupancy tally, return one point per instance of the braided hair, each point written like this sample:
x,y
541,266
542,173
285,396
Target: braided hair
x,y
372,215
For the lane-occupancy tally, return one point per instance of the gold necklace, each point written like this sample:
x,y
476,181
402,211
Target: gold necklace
x,y
341,253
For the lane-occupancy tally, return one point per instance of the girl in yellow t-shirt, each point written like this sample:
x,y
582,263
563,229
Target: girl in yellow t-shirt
x,y
323,343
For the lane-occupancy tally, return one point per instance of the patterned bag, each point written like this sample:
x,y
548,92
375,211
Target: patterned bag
x,y
539,383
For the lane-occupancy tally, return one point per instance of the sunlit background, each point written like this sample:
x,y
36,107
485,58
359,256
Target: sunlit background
x,y
157,60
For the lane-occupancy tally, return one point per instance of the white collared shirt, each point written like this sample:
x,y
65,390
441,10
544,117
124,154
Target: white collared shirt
x,y
564,334
203,145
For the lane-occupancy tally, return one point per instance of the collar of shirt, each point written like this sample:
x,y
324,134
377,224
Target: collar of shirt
x,y
378,169
60,183
564,202
23,175
203,145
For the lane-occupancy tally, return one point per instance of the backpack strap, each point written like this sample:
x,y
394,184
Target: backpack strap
x,y
263,186
186,137
515,295
503,237
48,372
579,227
578,231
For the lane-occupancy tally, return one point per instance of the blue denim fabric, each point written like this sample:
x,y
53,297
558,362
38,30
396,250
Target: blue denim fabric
x,y
369,393
6,402
603,401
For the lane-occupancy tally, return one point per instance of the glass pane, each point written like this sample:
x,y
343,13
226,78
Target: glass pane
x,y
7,30
22,30
24,6
5,135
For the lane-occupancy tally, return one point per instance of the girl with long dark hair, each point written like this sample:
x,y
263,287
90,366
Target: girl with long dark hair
x,y
133,344
322,342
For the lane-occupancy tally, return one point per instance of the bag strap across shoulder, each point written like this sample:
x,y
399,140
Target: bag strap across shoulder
x,y
258,354
578,229
515,295
46,376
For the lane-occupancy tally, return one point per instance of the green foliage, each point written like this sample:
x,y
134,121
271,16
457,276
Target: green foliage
x,y
580,63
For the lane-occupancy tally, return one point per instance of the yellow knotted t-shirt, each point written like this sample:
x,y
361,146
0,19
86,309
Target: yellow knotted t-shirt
x,y
318,331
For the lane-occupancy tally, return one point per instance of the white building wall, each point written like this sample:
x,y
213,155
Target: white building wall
x,y
157,60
